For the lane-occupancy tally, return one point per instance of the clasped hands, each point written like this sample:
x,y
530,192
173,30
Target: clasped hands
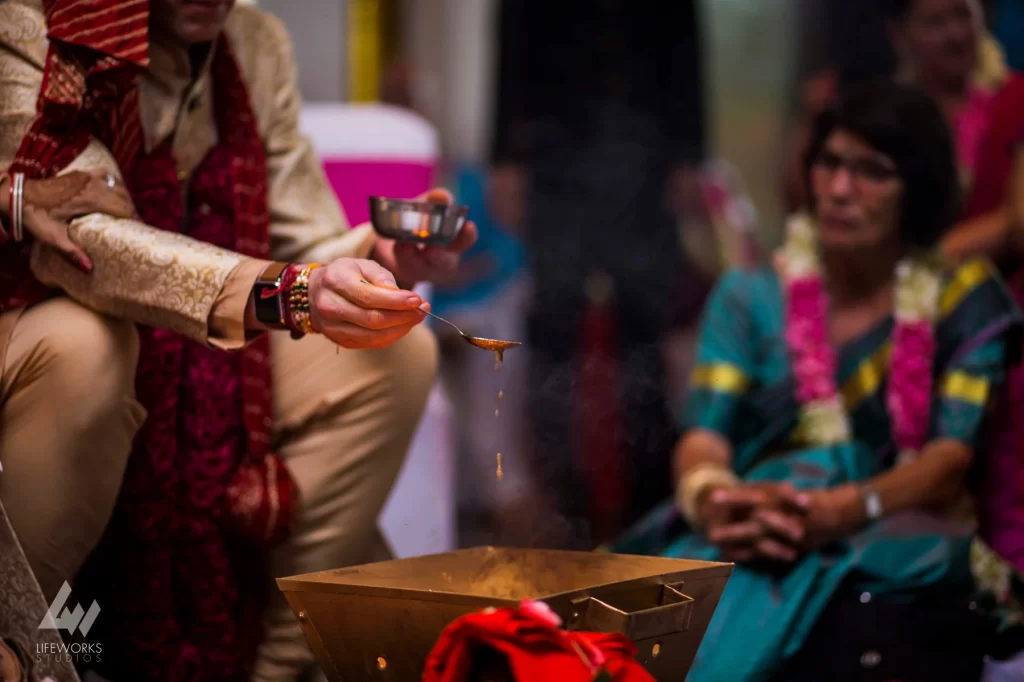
x,y
776,523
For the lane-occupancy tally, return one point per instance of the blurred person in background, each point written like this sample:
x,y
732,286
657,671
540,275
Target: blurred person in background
x,y
836,476
942,47
599,134
939,45
290,443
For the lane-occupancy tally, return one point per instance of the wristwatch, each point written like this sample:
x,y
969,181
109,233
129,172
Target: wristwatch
x,y
872,503
268,298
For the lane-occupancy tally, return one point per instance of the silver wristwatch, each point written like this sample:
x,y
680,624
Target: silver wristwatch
x,y
872,503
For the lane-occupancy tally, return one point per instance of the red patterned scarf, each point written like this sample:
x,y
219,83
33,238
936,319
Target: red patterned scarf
x,y
182,594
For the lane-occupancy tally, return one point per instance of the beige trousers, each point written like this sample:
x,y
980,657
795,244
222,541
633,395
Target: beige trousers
x,y
67,418
343,421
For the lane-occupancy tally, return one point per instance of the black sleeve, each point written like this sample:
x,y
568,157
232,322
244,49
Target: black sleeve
x,y
509,143
683,92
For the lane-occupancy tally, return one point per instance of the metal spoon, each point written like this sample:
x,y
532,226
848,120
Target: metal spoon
x,y
497,346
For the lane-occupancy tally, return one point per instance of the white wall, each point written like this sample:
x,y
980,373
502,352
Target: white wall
x,y
318,34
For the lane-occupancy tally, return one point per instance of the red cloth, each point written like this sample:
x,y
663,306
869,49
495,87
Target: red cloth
x,y
535,648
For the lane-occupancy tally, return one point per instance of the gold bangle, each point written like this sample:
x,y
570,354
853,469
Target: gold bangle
x,y
298,300
695,483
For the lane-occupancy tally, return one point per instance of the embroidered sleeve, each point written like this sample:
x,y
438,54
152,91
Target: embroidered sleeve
x,y
721,374
306,220
147,275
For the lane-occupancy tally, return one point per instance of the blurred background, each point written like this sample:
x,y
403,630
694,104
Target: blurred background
x,y
616,157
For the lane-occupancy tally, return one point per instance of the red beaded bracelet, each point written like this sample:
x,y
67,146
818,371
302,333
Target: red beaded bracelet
x,y
287,282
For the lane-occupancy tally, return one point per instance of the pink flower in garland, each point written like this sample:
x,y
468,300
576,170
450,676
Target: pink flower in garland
x,y
814,361
910,394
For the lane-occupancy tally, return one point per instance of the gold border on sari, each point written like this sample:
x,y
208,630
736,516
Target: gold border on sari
x,y
965,388
719,377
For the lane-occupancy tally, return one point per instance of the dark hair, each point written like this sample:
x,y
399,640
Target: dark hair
x,y
903,123
897,10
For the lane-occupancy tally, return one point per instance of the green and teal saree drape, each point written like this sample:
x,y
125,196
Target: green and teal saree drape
x,y
742,388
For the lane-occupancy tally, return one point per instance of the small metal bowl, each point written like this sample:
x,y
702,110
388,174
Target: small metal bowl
x,y
421,222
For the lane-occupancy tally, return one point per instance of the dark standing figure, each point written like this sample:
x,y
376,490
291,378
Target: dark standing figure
x,y
599,132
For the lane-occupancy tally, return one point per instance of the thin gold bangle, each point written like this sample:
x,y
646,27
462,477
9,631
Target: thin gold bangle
x,y
695,483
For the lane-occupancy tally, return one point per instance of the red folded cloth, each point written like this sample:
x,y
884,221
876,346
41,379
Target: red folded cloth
x,y
527,645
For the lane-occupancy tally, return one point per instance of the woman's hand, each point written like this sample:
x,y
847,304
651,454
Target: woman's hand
x,y
357,304
756,522
50,203
832,514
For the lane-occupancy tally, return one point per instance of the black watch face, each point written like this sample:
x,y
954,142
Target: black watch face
x,y
268,303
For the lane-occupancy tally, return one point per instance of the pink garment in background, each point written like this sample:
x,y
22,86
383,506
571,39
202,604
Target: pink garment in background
x,y
1001,503
354,180
372,150
990,131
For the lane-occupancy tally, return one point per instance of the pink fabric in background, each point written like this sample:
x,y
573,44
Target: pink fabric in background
x,y
355,180
1001,498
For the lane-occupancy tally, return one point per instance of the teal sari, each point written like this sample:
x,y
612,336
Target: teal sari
x,y
742,388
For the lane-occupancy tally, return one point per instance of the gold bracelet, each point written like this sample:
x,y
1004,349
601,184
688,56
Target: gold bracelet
x,y
298,300
695,483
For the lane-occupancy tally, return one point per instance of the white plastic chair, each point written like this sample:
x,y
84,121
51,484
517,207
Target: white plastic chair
x,y
373,149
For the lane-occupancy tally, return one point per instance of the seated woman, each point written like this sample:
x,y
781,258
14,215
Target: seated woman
x,y
836,408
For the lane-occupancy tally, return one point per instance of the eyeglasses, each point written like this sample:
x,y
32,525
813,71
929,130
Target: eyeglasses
x,y
865,170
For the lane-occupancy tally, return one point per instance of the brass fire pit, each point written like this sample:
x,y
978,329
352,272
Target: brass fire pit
x,y
379,621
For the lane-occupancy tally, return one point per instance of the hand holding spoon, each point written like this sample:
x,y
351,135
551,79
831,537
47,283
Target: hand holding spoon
x,y
496,345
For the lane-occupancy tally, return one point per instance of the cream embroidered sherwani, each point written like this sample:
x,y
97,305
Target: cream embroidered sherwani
x,y
343,420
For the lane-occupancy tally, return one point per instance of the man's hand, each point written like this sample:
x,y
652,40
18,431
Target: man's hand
x,y
357,304
761,521
412,263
